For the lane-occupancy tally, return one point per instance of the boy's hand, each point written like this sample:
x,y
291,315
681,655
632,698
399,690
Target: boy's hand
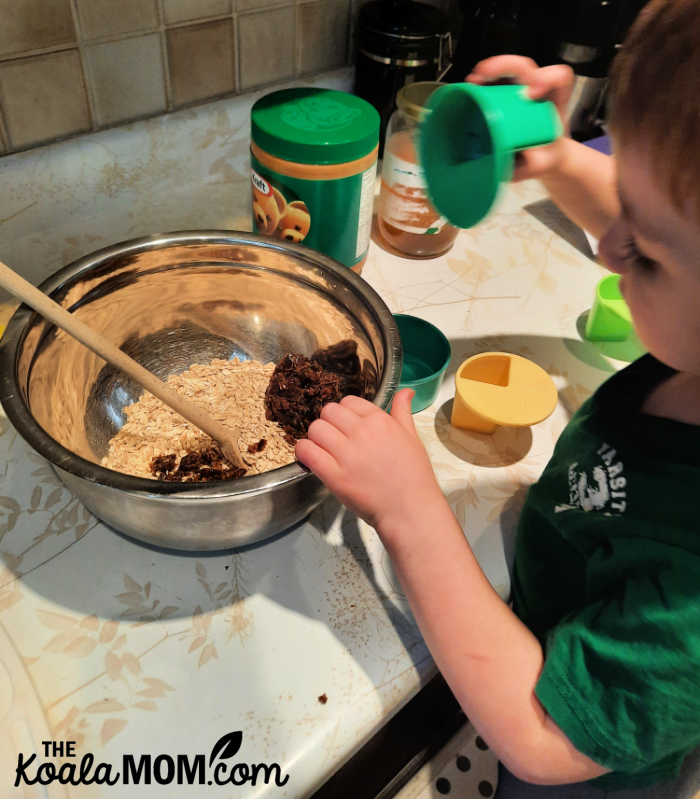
x,y
372,461
545,83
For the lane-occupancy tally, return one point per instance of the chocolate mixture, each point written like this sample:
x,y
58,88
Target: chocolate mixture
x,y
342,359
301,386
297,391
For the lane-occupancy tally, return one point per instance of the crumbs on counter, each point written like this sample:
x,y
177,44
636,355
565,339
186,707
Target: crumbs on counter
x,y
323,699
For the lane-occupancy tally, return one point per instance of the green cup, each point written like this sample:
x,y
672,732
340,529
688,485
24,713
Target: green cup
x,y
609,320
468,140
426,354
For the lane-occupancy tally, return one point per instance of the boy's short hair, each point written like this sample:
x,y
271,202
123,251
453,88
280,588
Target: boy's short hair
x,y
655,95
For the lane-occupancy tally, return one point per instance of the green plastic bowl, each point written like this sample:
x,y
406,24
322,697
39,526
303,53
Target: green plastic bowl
x,y
426,354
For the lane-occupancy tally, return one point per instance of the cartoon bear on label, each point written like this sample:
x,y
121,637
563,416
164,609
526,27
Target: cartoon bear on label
x,y
274,216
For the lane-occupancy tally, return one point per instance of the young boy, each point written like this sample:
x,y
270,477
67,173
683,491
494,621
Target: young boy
x,y
595,672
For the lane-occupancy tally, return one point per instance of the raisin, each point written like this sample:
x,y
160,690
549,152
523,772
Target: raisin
x,y
196,466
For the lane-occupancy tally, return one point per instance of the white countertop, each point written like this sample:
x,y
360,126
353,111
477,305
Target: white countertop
x,y
130,650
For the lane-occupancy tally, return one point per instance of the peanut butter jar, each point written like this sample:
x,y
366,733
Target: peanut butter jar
x,y
313,167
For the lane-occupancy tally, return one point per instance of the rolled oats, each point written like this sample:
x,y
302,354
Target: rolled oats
x,y
232,391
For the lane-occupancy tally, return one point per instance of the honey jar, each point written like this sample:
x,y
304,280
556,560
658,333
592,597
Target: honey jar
x,y
406,219
313,169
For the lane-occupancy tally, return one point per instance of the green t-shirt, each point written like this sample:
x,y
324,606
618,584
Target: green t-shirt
x,y
607,575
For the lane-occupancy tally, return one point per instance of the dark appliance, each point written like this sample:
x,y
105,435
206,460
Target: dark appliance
x,y
591,32
398,42
587,43
489,28
585,34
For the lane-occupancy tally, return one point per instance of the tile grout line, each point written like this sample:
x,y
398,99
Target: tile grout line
x,y
84,67
235,55
298,44
4,130
271,7
38,51
164,57
107,38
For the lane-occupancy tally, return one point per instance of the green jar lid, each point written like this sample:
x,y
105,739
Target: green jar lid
x,y
314,126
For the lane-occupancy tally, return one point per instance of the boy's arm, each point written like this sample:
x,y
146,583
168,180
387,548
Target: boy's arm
x,y
580,180
584,187
489,658
377,466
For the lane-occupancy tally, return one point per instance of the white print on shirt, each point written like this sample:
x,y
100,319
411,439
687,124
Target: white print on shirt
x,y
602,490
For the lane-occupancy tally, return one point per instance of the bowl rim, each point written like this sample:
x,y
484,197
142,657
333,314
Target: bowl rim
x,y
64,459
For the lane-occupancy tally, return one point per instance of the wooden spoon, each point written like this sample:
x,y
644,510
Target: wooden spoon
x,y
192,412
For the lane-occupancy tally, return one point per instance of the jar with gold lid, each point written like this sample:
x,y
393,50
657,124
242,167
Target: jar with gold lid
x,y
406,219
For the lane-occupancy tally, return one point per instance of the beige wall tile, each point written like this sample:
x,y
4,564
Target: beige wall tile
x,y
323,35
185,10
43,98
126,78
201,60
247,5
111,17
266,46
31,24
214,47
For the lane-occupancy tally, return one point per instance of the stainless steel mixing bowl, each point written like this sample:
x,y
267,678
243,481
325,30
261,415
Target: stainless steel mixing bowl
x,y
170,301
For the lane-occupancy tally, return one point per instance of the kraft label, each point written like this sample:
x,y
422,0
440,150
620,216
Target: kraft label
x,y
275,214
331,216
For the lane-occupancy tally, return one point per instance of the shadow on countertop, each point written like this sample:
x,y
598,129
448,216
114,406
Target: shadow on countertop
x,y
550,215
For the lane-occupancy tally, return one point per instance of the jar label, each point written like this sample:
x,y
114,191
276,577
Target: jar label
x,y
404,200
364,222
333,216
260,184
276,213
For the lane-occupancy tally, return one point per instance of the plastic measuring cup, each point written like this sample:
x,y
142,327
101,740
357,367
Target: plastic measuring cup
x,y
426,354
609,320
493,389
468,142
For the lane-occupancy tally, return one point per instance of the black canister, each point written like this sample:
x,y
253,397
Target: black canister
x,y
398,42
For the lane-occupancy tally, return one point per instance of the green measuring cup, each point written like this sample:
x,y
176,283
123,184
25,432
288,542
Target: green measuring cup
x,y
609,320
426,355
468,140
